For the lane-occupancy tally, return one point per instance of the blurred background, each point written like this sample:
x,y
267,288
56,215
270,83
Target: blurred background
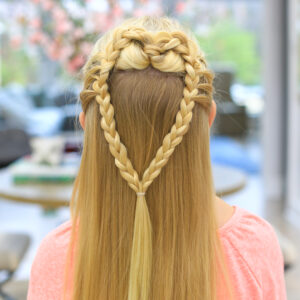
x,y
253,48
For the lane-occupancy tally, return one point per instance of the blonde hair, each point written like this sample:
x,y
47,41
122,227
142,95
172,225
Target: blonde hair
x,y
166,247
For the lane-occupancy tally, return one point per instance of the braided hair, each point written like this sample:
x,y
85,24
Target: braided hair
x,y
135,48
144,82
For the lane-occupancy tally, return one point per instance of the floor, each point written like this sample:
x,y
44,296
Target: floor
x,y
32,220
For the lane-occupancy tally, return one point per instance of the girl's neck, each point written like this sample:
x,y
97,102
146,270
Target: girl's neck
x,y
224,211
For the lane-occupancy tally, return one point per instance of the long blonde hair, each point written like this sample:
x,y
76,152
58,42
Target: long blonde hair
x,y
140,230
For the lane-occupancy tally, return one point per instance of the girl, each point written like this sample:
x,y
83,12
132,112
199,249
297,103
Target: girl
x,y
146,223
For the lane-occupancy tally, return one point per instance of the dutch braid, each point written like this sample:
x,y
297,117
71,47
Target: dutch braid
x,y
153,48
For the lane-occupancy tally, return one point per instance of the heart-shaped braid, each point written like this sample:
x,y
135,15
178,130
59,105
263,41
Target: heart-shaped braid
x,y
154,49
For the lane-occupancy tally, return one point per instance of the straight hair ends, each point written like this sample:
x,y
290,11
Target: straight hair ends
x,y
162,244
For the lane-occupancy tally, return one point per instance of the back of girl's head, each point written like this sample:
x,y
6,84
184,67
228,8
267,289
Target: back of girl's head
x,y
144,193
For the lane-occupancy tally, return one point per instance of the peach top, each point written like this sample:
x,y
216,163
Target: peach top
x,y
251,247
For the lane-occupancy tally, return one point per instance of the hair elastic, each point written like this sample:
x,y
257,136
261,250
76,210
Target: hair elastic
x,y
140,193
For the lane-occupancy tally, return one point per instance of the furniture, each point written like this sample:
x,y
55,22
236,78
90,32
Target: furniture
x,y
231,118
14,144
13,247
227,180
17,289
227,151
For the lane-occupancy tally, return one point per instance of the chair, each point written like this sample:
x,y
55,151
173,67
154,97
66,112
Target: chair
x,y
14,144
231,118
13,247
288,249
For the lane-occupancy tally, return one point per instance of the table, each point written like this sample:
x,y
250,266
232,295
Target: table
x,y
227,180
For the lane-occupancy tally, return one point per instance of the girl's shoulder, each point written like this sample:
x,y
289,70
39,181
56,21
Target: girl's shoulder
x,y
56,240
253,252
60,233
47,271
246,231
245,226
